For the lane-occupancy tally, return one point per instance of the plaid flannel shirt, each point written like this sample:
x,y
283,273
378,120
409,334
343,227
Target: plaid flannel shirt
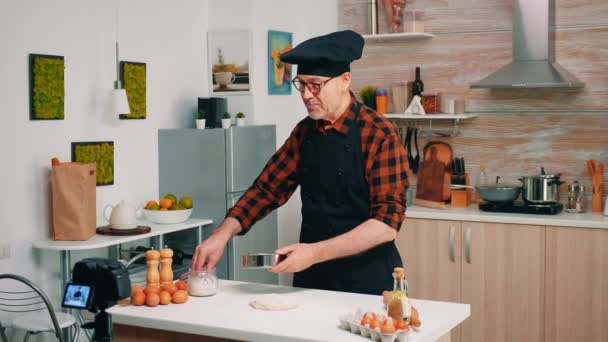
x,y
385,169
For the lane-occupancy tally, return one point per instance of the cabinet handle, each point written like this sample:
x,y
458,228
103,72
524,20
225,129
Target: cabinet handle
x,y
467,245
452,243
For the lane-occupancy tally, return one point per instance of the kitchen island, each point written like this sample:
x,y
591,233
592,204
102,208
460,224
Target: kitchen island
x,y
227,316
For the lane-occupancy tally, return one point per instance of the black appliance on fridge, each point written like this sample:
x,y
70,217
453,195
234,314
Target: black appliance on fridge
x,y
214,107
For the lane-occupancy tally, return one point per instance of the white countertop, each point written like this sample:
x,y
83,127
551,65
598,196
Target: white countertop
x,y
100,241
228,315
472,213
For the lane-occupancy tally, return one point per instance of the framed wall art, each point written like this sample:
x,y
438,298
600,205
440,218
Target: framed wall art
x,y
229,55
47,88
279,73
133,78
99,152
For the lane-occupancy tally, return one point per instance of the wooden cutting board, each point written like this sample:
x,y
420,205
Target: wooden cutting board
x,y
106,230
434,172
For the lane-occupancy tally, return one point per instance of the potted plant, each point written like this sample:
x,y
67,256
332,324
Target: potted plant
x,y
199,118
226,121
240,119
368,95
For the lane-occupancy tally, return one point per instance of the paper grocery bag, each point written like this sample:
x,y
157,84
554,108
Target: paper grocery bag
x,y
73,187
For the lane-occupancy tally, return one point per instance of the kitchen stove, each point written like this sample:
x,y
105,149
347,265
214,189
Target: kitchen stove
x,y
521,208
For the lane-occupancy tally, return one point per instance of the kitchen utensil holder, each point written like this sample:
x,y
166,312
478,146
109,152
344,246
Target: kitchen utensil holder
x,y
462,197
597,201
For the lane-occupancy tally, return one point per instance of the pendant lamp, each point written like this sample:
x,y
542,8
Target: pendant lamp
x,y
120,103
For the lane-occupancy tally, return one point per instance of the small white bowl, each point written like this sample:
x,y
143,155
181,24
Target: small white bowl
x,y
167,216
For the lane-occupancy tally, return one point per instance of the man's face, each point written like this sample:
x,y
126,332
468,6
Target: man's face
x,y
323,95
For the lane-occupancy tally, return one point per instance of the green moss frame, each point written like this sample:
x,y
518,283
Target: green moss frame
x,y
133,77
99,152
47,89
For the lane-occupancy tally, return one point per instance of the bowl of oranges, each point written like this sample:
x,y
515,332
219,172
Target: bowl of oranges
x,y
169,209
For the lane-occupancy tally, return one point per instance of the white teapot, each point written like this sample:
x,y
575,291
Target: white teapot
x,y
122,216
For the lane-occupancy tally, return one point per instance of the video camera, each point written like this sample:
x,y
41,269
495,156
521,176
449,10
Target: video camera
x,y
97,284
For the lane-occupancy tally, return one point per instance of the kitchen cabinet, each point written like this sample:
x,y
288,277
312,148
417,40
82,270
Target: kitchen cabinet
x,y
502,279
576,296
432,264
497,268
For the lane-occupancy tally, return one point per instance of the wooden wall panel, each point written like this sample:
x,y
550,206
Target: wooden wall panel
x,y
451,16
450,63
518,131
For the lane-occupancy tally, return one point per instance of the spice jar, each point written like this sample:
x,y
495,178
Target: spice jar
x,y
201,283
381,101
431,102
576,198
413,21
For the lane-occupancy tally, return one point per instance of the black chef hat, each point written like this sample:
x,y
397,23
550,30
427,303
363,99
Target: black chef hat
x,y
329,55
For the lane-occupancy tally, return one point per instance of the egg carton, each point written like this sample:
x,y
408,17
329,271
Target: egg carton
x,y
352,323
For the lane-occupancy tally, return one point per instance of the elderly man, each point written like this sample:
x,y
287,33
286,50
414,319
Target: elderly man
x,y
351,167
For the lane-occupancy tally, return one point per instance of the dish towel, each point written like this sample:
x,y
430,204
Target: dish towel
x,y
415,106
272,302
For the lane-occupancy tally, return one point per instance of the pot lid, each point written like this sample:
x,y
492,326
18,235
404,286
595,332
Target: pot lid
x,y
499,186
546,175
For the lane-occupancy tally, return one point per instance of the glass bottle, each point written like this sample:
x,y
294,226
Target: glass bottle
x,y
399,306
418,85
576,198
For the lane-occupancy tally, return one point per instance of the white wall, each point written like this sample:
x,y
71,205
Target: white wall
x,y
170,37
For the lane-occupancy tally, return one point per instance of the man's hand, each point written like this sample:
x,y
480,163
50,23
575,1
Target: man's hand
x,y
300,256
209,252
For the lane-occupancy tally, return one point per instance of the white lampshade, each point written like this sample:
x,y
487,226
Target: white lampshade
x,y
120,103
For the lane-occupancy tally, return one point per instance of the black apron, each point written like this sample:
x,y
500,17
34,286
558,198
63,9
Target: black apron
x,y
335,199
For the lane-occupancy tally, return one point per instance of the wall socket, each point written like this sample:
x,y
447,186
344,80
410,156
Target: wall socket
x,y
5,250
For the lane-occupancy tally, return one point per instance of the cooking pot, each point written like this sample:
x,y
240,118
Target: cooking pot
x,y
541,189
499,192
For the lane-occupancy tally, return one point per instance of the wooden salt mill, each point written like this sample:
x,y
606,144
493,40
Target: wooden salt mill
x,y
152,276
166,271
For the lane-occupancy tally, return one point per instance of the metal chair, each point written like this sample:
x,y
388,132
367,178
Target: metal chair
x,y
31,310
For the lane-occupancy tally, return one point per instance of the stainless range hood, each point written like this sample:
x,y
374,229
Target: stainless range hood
x,y
534,64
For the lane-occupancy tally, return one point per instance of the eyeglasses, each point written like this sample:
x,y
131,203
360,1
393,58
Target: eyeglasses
x,y
313,87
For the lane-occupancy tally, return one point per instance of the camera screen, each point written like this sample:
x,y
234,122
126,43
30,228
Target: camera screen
x,y
77,296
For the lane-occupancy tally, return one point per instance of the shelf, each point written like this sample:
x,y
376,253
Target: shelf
x,y
101,241
454,131
397,36
431,116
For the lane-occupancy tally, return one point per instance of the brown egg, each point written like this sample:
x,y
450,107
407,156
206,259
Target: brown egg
x,y
151,289
165,297
152,299
415,318
135,289
181,285
171,288
180,297
138,298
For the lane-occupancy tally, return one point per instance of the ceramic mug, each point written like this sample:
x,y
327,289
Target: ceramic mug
x,y
122,216
224,78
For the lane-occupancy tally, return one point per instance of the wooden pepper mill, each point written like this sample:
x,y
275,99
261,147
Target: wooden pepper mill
x,y
166,271
152,276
